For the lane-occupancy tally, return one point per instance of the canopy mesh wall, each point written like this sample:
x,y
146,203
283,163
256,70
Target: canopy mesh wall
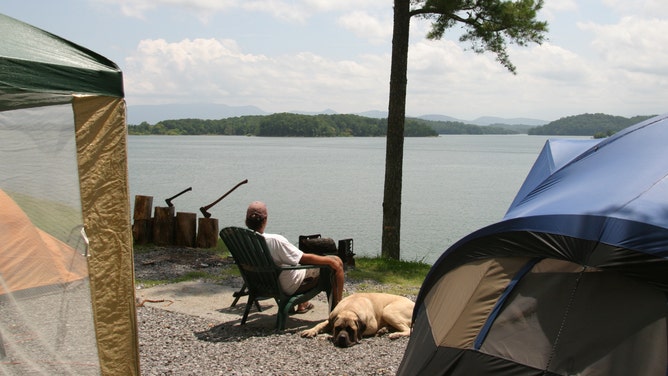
x,y
66,268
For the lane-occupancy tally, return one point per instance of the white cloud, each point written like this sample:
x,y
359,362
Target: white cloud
x,y
647,8
445,78
551,63
345,5
633,44
138,8
219,71
285,10
554,6
551,80
558,80
367,27
624,75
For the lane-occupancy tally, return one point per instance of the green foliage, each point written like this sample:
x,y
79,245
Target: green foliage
x,y
598,125
488,24
282,125
598,135
513,128
293,125
456,127
245,125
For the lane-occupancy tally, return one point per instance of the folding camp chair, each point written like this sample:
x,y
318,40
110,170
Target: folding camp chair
x,y
260,273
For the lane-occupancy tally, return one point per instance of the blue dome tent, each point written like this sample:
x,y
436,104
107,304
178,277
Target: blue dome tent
x,y
573,280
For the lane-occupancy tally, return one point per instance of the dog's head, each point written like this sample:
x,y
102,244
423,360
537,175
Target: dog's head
x,y
347,329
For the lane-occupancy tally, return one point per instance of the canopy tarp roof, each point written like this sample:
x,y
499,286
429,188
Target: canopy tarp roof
x,y
38,67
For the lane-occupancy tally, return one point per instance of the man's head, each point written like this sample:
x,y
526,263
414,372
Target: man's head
x,y
256,216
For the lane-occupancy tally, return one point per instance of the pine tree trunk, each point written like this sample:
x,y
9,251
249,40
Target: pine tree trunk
x,y
394,152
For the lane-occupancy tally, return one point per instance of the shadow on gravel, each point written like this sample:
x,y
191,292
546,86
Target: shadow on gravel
x,y
257,325
237,309
233,332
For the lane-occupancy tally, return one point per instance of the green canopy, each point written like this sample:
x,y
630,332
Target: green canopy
x,y
37,67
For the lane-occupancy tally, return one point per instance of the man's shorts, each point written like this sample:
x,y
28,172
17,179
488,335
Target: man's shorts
x,y
310,279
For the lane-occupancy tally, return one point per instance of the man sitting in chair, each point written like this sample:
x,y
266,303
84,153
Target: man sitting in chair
x,y
285,253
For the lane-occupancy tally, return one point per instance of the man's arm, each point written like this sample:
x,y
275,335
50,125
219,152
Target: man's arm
x,y
314,259
336,264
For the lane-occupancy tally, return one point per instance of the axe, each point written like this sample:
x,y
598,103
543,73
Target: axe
x,y
169,200
204,209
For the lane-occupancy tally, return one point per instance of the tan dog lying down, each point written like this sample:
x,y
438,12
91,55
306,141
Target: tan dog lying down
x,y
366,314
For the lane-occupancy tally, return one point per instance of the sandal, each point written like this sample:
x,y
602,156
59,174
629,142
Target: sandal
x,y
305,309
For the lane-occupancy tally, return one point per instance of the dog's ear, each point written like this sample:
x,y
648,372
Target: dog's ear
x,y
361,328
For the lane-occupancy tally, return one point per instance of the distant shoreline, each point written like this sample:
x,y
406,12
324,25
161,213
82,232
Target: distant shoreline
x,y
296,125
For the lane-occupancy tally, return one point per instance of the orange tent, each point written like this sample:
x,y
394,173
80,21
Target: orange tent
x,y
29,257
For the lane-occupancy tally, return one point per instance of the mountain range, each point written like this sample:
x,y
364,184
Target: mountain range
x,y
153,114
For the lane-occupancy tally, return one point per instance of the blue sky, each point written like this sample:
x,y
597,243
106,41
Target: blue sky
x,y
606,56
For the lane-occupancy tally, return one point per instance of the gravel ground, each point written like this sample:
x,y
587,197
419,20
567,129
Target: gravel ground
x,y
178,344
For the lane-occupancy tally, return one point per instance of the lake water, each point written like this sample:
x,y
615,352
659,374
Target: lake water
x,y
452,185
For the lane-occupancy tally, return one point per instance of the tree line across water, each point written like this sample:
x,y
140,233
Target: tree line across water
x,y
296,125
282,125
596,125
342,125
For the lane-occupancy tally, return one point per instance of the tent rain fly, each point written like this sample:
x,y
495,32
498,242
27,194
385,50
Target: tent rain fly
x,y
572,281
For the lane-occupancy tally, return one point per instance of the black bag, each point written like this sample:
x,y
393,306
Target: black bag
x,y
318,245
326,246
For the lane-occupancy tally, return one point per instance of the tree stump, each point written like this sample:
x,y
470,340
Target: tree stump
x,y
163,226
207,233
186,227
142,227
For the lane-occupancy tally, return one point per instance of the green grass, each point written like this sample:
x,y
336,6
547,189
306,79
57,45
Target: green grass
x,y
190,276
215,277
371,274
219,249
397,277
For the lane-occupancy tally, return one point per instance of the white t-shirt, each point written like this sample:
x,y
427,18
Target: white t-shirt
x,y
285,253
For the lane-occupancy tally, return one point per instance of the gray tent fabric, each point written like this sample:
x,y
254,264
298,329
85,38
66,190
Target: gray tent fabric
x,y
572,280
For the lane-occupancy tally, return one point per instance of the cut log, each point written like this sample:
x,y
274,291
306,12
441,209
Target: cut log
x,y
143,207
207,233
142,231
142,227
186,229
163,225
